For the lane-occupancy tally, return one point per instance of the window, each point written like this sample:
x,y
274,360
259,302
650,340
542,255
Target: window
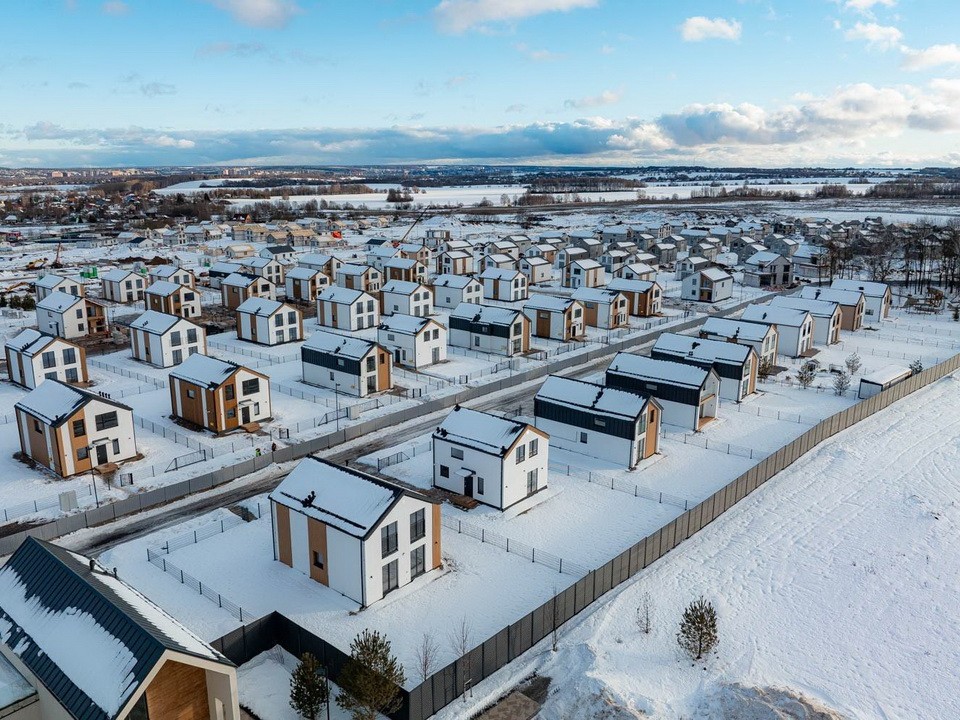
x,y
191,393
278,319
292,318
116,447
532,481
599,423
456,453
177,357
232,413
105,421
388,539
72,375
188,297
318,559
418,564
391,580
79,428
83,453
479,486
521,454
49,359
192,335
69,356
331,375
583,437
80,314
444,470
279,336
418,525
534,447
175,339
249,387
518,328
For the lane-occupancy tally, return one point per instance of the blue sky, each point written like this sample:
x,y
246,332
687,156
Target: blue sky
x,y
746,82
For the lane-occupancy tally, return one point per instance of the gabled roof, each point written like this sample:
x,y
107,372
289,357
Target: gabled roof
x,y
777,315
402,287
243,280
54,402
340,497
89,638
224,267
261,306
494,273
315,259
586,264
625,285
842,297
551,303
164,271
355,269
51,280
59,301
480,430
870,289
302,273
278,249
118,275
716,274
257,262
401,263
695,348
454,281
660,371
204,371
29,342
165,288
485,314
406,324
590,396
535,260
346,346
735,329
595,295
764,257
157,323
342,295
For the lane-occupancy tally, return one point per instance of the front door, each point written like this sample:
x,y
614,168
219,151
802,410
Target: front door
x,y
245,414
468,486
101,454
436,355
396,356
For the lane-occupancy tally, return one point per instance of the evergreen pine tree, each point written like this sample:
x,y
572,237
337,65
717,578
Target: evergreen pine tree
x,y
698,629
371,679
806,375
308,688
28,303
916,367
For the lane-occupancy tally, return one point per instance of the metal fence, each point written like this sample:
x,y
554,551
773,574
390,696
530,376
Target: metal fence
x,y
621,484
32,507
706,443
190,581
402,456
175,435
124,372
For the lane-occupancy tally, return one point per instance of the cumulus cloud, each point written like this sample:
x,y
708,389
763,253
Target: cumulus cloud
x,y
933,56
535,54
866,6
607,97
115,7
458,16
695,29
260,13
882,37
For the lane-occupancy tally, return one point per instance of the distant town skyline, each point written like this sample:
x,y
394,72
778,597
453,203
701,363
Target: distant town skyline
x,y
567,82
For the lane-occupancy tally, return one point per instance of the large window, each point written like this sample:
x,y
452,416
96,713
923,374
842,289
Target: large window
x,y
418,525
532,482
69,356
456,453
49,359
521,454
191,335
388,539
418,565
105,421
79,428
175,338
391,576
534,447
249,387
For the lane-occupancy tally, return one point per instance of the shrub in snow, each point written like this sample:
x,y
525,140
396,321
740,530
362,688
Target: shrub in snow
x,y
371,679
916,367
698,629
805,375
841,382
853,363
308,688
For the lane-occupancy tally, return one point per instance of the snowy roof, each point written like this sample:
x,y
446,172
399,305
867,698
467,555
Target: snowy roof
x,y
737,329
480,430
785,316
500,258
302,273
817,308
582,394
700,349
341,295
401,263
696,261
346,346
887,374
224,267
716,274
492,273
764,257
163,271
458,254
455,281
261,306
29,342
595,295
533,261
641,268
204,371
340,497
257,262
89,638
841,297
666,371
412,247
405,324
314,259
59,301
278,249
14,687
586,264
354,269
625,285
240,279
552,303
485,313
163,288
156,323
53,401
401,287
117,275
50,281
870,289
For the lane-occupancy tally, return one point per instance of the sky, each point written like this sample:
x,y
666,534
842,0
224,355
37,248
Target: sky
x,y
564,82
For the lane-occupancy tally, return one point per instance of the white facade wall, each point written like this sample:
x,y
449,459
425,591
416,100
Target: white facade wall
x,y
364,313
341,380
124,435
66,325
124,291
344,554
674,413
448,297
482,343
258,402
418,304
268,331
67,285
415,351
35,373
161,350
599,445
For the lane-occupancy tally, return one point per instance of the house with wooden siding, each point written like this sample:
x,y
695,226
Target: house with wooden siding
x,y
220,270
554,317
584,273
218,395
497,330
598,421
267,268
767,269
71,316
689,395
346,364
735,364
644,297
78,642
603,308
237,288
794,327
710,285
379,254
665,252
877,298
359,535
70,430
172,273
327,264
404,269
508,285
536,270
33,357
763,338
852,304
614,260
638,271
406,298
360,277
826,316
123,286
52,282
499,261
172,298
544,250
416,251
269,322
689,265
456,262
165,340
303,284
496,461
451,290
345,309
414,341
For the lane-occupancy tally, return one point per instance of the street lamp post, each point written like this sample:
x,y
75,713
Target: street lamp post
x,y
93,477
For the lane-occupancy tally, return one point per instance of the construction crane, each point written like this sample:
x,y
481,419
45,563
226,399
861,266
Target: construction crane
x,y
56,264
400,242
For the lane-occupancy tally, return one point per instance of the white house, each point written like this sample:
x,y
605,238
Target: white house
x,y
735,364
557,318
767,269
602,422
346,364
638,271
165,340
584,273
852,304
123,286
173,299
268,322
763,338
689,395
284,254
795,328
407,298
359,277
345,309
536,270
70,430
826,316
644,297
500,284
51,283
172,273
220,270
238,287
303,284
456,262
327,264
498,330
496,461
603,308
710,286
265,267
71,316
414,341
451,290
361,536
33,357
876,295
690,265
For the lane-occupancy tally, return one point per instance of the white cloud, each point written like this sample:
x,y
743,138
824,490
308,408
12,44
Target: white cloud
x,y
695,29
538,55
260,13
153,89
865,6
115,7
933,56
458,16
607,97
882,37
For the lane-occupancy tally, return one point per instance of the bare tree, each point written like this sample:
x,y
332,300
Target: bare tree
x,y
853,363
459,639
426,654
643,614
841,382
